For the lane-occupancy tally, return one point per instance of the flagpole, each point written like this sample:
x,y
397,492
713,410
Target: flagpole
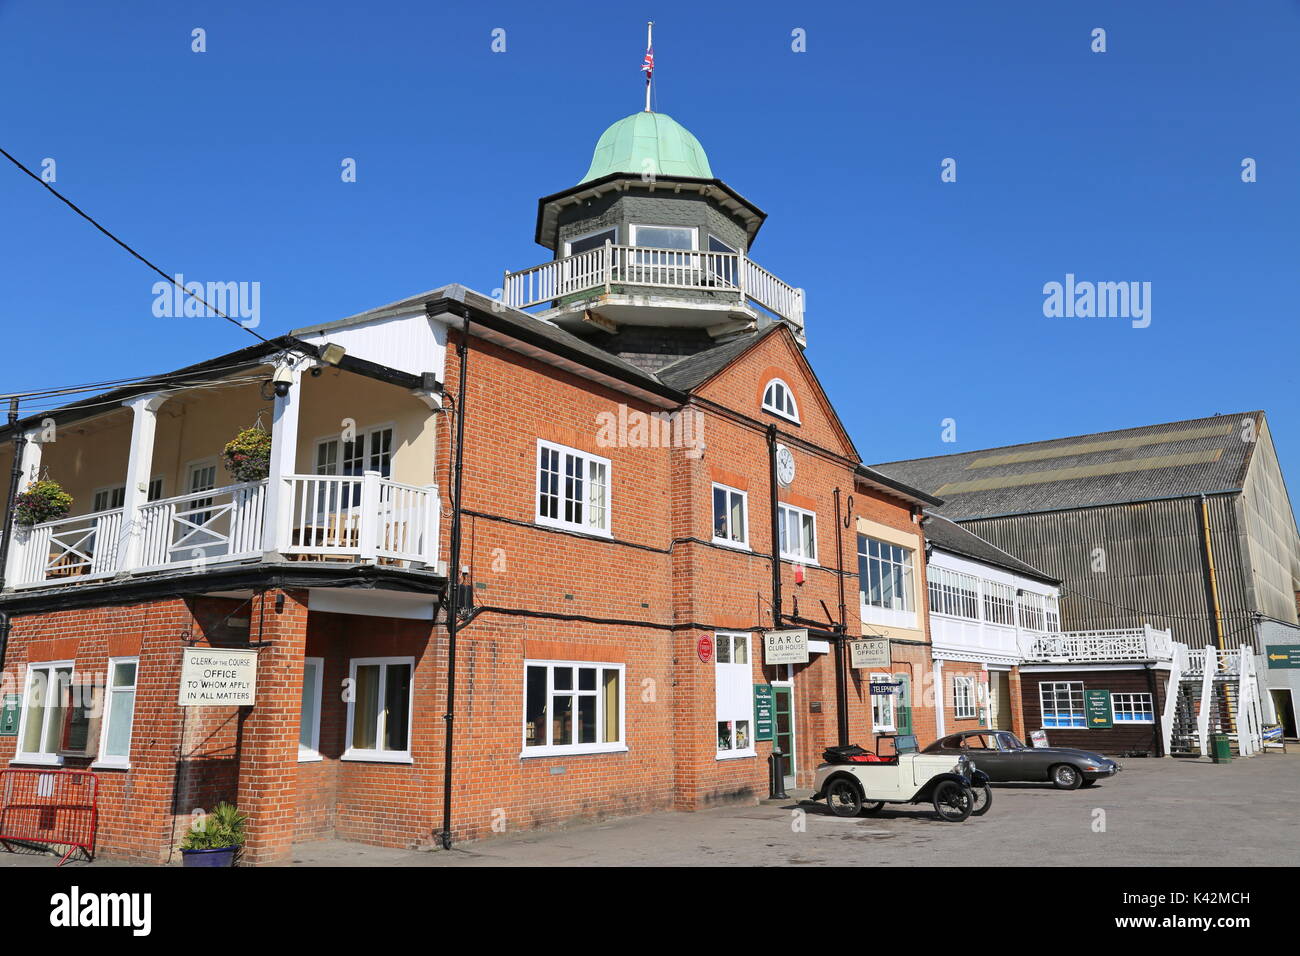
x,y
649,45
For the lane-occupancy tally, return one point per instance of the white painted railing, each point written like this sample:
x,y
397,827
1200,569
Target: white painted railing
x,y
359,518
363,517
692,270
1129,644
222,523
84,546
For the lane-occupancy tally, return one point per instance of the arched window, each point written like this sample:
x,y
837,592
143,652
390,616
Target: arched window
x,y
779,400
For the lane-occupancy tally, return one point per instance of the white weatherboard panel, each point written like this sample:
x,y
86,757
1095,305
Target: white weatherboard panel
x,y
410,343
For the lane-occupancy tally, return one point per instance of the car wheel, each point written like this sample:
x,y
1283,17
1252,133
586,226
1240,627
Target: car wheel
x,y
843,797
952,801
1066,777
983,797
874,806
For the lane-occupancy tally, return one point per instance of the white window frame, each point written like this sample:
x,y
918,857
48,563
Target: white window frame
x,y
792,413
54,759
312,753
730,671
574,749
380,756
964,706
568,243
880,703
1134,702
1073,688
783,510
558,521
103,760
694,231
743,542
361,435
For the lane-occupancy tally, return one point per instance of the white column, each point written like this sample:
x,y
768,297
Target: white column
x,y
938,699
278,518
139,469
29,462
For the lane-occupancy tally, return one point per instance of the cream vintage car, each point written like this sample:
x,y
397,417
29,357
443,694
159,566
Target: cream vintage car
x,y
853,780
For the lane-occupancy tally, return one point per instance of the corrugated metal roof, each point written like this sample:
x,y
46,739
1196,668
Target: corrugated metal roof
x,y
1200,455
950,537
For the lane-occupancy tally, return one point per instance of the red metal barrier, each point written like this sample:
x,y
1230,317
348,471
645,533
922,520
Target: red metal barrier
x,y
50,806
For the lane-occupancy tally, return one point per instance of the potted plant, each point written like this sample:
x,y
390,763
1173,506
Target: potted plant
x,y
44,500
215,838
248,455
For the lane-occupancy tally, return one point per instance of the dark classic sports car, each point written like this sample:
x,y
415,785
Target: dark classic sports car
x,y
1005,758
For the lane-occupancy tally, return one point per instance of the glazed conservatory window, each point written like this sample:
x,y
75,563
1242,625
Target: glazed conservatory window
x,y
999,603
798,534
733,677
40,729
572,489
119,713
1062,703
730,524
572,707
963,697
779,400
379,709
1033,611
1132,708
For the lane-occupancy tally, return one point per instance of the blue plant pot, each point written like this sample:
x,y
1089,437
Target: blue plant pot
x,y
222,856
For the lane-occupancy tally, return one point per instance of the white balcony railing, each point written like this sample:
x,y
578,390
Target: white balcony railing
x,y
365,518
84,546
1129,644
734,275
204,526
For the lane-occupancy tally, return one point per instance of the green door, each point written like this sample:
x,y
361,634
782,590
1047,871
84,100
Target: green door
x,y
903,704
783,708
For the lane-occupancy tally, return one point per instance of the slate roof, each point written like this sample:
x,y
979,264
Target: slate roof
x,y
953,538
693,370
1174,459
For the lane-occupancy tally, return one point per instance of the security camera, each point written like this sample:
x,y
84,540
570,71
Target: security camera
x,y
281,380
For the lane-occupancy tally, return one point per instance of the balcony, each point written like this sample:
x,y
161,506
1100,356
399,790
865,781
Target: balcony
x,y
330,518
1130,644
349,476
629,283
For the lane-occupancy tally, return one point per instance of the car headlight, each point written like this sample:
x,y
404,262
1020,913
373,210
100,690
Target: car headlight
x,y
964,766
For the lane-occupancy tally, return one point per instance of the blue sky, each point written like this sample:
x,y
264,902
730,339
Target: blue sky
x,y
925,298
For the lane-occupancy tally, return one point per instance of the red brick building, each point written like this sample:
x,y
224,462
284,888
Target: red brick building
x,y
651,479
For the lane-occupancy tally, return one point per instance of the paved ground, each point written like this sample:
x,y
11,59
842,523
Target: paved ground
x,y
1157,813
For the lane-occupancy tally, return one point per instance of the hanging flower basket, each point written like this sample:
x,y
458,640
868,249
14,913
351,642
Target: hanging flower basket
x,y
248,455
43,500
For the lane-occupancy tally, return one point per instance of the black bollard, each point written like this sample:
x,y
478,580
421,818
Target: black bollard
x,y
776,785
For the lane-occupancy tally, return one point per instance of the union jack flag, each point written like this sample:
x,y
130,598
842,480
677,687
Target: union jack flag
x,y
648,66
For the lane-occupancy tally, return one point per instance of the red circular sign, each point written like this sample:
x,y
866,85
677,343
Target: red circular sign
x,y
705,649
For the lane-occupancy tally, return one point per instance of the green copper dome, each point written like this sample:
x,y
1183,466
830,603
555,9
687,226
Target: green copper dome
x,y
628,144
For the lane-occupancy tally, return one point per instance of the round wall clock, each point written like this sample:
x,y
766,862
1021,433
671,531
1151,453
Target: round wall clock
x,y
784,465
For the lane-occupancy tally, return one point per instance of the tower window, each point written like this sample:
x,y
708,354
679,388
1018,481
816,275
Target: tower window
x,y
590,241
664,237
779,400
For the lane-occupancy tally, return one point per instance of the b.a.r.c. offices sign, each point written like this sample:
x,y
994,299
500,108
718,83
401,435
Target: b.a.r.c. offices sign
x,y
212,677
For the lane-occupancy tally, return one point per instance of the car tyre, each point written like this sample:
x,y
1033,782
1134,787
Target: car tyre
x,y
952,801
1066,777
844,797
983,800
